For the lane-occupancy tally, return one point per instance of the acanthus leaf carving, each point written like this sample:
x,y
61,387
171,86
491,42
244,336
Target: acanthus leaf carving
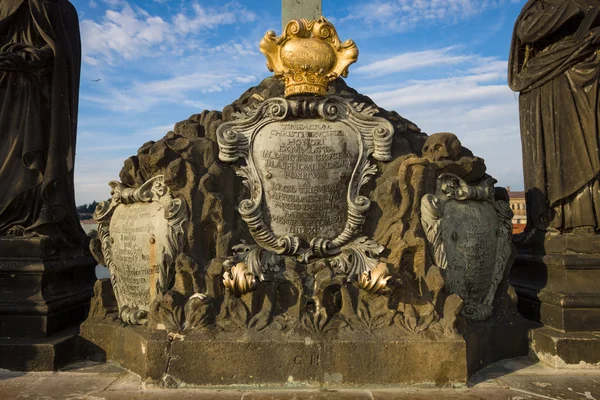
x,y
358,257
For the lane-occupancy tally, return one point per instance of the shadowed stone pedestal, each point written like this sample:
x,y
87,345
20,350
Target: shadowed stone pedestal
x,y
209,358
44,294
558,285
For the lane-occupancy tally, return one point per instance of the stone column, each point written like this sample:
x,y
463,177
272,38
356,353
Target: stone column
x,y
297,9
45,291
558,282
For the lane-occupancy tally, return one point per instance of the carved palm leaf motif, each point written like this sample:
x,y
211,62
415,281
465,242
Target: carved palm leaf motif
x,y
305,164
142,231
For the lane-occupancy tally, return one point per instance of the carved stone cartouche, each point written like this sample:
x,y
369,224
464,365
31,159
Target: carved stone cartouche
x,y
142,231
469,234
305,163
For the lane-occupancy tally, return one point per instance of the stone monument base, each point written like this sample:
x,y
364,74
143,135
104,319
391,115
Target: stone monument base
x,y
42,354
203,358
45,290
563,350
557,283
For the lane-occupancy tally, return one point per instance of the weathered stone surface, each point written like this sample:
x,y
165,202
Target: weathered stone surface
x,y
309,10
44,287
141,232
557,284
140,350
267,357
252,284
566,350
561,157
39,354
104,302
289,155
469,233
138,233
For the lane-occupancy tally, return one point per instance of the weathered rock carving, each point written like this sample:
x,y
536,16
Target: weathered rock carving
x,y
382,280
349,227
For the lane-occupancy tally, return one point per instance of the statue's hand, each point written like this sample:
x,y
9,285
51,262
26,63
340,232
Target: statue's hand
x,y
12,62
20,57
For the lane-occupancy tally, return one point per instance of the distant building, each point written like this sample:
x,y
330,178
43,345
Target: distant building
x,y
89,225
517,204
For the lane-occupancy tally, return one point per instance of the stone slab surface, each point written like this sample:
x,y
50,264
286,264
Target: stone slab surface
x,y
516,379
338,362
300,361
567,350
45,354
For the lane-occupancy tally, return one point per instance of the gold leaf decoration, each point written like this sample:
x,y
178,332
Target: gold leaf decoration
x,y
375,280
240,280
308,56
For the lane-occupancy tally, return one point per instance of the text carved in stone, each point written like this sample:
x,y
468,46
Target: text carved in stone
x,y
306,161
142,231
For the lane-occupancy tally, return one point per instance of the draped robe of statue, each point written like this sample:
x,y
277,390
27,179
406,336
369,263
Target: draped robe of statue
x,y
40,59
557,73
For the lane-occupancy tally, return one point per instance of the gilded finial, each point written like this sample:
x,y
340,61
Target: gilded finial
x,y
308,55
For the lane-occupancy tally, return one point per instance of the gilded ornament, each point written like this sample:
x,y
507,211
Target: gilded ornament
x,y
375,280
308,55
240,280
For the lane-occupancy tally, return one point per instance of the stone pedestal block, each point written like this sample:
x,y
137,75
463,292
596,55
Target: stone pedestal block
x,y
208,358
45,291
558,283
566,349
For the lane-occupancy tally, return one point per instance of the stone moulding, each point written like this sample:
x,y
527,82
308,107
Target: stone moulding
x,y
475,260
236,140
176,215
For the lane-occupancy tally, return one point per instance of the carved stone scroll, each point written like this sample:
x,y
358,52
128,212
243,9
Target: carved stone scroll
x,y
469,235
142,231
305,163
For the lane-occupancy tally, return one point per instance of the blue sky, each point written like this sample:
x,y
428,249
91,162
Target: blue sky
x,y
440,63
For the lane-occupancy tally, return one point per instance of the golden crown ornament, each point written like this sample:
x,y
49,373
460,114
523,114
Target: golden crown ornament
x,y
308,55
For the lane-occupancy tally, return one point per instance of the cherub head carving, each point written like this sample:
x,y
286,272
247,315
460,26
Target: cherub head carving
x,y
441,147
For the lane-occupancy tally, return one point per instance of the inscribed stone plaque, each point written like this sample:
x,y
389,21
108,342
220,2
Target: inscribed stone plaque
x,y
142,231
306,161
306,167
139,233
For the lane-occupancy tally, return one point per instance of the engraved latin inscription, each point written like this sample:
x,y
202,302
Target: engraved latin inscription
x,y
306,166
138,232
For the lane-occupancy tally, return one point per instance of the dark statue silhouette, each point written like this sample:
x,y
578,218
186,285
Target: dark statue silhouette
x,y
40,59
554,64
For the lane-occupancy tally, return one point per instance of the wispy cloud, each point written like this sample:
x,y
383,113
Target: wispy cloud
x,y
143,95
127,33
475,104
400,15
413,60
